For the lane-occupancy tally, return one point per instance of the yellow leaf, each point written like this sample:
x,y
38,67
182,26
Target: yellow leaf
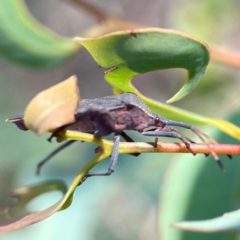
x,y
53,108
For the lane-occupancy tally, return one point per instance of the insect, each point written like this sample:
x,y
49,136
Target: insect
x,y
115,114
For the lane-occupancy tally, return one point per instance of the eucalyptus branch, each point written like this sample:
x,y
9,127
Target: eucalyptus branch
x,y
90,9
140,147
226,56
102,16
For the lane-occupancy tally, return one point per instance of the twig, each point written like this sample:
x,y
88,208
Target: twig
x,y
90,9
226,149
141,147
226,56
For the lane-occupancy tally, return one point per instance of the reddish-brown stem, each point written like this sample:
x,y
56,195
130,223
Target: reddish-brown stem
x,y
226,56
226,149
101,16
90,9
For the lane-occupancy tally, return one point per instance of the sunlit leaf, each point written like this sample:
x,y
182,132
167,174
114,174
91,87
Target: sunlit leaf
x,y
53,108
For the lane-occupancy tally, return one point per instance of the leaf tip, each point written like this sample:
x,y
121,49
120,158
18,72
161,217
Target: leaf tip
x,y
77,39
172,100
185,90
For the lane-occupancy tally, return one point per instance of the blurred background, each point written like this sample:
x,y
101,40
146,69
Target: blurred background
x,y
125,205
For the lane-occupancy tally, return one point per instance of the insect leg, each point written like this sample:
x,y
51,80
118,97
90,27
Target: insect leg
x,y
113,160
200,134
48,157
126,137
171,133
104,122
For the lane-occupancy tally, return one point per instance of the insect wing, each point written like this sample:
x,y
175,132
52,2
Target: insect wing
x,y
19,121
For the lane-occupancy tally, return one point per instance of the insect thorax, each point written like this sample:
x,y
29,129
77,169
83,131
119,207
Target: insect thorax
x,y
132,118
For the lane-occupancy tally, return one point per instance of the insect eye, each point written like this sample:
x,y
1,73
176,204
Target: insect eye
x,y
157,120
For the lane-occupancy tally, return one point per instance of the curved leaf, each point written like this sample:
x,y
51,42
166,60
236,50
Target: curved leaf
x,y
53,108
201,192
128,53
15,216
25,41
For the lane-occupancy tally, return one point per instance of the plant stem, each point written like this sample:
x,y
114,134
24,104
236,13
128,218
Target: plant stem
x,y
226,56
176,147
90,9
142,147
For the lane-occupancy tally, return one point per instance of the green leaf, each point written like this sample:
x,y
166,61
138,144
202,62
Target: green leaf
x,y
201,192
128,53
26,42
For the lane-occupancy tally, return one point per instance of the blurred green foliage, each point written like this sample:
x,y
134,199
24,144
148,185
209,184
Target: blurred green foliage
x,y
200,192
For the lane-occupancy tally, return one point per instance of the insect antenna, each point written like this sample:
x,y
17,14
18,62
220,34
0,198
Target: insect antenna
x,y
129,139
179,135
